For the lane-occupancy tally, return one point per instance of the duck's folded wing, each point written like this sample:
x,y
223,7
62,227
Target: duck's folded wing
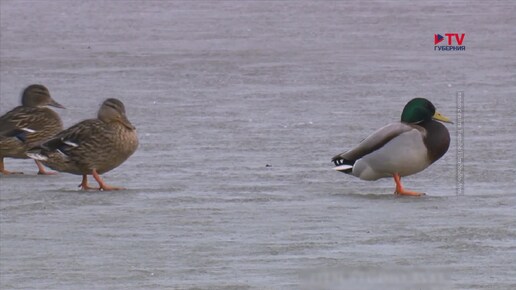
x,y
70,138
29,119
374,141
12,120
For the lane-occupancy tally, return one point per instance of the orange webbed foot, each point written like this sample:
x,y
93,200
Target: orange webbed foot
x,y
47,173
102,184
106,187
409,193
401,191
6,172
42,171
87,187
84,184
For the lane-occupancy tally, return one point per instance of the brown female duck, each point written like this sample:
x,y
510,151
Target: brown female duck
x,y
27,125
93,146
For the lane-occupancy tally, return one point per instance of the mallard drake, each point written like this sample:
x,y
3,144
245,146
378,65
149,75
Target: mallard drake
x,y
399,149
93,146
27,125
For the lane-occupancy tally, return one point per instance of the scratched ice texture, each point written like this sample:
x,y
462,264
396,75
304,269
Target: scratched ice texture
x,y
239,107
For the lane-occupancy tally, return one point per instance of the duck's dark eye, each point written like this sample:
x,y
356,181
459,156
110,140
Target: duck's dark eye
x,y
115,105
112,106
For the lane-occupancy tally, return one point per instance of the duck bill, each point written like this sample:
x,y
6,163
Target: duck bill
x,y
56,104
123,119
439,117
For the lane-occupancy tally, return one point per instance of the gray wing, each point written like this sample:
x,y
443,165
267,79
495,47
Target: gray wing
x,y
375,141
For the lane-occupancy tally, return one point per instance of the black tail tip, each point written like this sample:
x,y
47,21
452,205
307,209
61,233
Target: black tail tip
x,y
338,161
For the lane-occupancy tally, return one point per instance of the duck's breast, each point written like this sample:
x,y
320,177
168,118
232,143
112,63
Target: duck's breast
x,y
122,144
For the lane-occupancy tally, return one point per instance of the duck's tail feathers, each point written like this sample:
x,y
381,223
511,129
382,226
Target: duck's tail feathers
x,y
56,145
37,156
345,168
343,165
38,152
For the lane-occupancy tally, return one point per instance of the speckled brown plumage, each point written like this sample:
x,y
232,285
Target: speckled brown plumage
x,y
28,125
93,146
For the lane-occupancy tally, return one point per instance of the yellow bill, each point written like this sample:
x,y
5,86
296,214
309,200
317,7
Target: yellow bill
x,y
439,117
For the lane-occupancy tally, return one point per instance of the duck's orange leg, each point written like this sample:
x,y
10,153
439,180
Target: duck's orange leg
x,y
102,184
42,170
400,190
5,172
84,184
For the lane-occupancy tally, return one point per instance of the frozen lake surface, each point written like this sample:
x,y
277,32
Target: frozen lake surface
x,y
218,91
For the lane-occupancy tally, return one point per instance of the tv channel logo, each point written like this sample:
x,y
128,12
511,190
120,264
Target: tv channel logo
x,y
454,41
